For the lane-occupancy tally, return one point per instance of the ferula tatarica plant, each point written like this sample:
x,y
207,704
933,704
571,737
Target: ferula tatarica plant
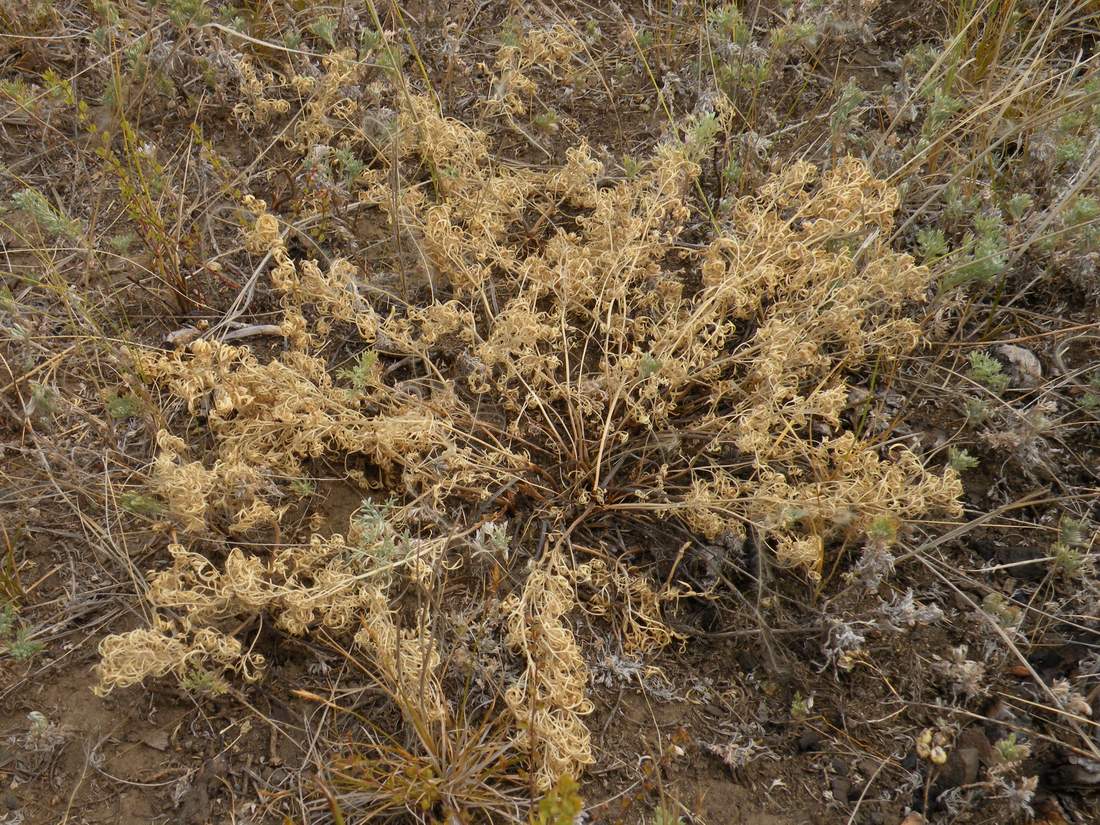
x,y
589,365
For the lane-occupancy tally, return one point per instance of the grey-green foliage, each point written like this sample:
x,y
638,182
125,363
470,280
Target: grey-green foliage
x,y
7,621
958,206
23,647
960,460
349,165
727,22
931,244
15,638
1070,558
1082,221
493,538
941,109
49,219
1091,399
202,682
184,12
987,371
123,406
374,539
849,100
139,503
985,254
325,29
1019,205
363,374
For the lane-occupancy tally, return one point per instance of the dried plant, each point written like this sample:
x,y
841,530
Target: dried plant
x,y
549,51
549,700
574,346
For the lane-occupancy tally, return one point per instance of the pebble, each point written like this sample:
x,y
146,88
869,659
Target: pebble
x,y
809,741
961,768
842,790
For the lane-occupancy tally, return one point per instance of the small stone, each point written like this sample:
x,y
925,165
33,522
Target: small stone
x,y
155,739
961,768
842,790
809,741
1027,372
